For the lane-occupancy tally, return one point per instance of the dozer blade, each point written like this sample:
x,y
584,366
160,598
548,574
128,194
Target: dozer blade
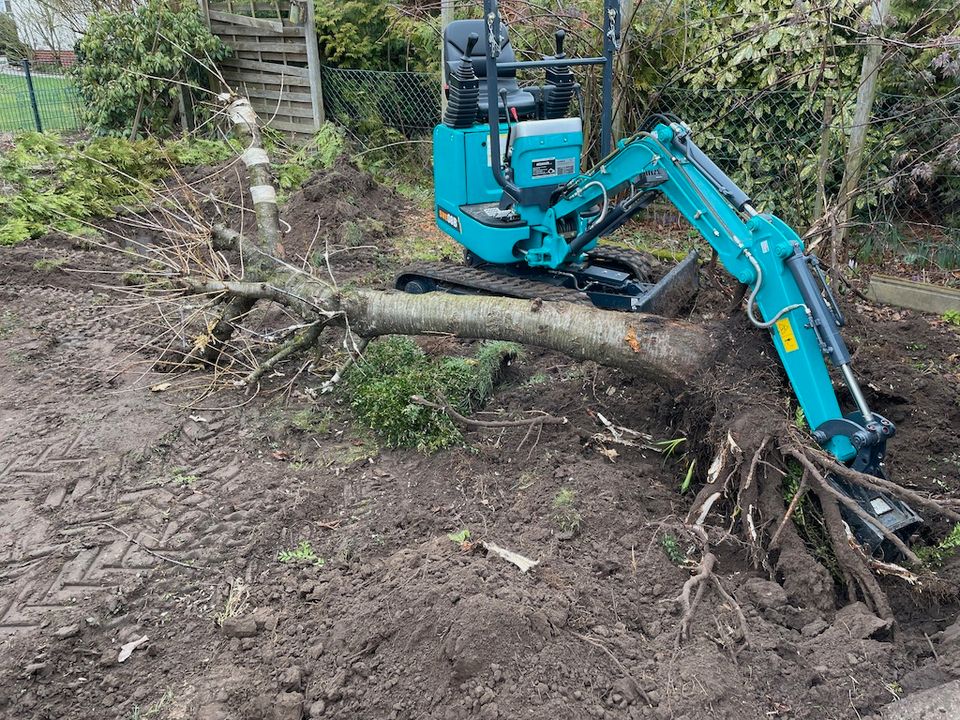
x,y
675,291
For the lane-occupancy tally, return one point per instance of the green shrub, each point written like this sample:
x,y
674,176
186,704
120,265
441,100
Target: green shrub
x,y
45,184
139,60
393,370
319,153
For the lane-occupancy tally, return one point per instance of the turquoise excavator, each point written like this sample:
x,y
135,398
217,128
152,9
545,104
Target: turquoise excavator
x,y
510,187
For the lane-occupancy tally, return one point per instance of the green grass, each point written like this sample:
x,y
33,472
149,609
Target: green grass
x,y
56,99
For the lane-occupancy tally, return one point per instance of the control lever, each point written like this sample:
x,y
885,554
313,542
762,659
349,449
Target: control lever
x,y
472,41
558,38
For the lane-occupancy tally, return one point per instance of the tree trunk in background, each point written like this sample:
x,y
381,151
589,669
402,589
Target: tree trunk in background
x,y
621,71
446,17
866,92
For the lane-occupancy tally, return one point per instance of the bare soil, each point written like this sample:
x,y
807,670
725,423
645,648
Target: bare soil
x,y
125,515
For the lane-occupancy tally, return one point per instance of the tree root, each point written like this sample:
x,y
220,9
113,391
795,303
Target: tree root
x,y
445,407
697,585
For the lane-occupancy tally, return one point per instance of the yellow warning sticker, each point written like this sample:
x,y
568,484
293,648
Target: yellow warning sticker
x,y
787,337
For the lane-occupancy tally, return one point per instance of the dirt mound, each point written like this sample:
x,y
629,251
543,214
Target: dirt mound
x,y
342,212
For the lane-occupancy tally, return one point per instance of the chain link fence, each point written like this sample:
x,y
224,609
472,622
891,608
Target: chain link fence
x,y
37,97
371,103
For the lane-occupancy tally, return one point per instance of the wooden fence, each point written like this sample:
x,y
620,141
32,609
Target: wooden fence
x,y
275,60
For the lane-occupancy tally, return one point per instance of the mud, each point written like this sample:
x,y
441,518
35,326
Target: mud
x,y
127,516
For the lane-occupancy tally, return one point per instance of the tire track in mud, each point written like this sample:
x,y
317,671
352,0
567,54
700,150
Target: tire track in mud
x,y
79,453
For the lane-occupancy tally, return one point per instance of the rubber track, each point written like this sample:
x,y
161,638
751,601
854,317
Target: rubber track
x,y
637,262
473,278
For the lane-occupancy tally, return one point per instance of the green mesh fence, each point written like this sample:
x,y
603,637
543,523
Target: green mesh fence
x,y
57,101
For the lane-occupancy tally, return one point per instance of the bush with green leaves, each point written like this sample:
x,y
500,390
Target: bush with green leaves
x,y
374,36
132,66
320,152
47,184
396,369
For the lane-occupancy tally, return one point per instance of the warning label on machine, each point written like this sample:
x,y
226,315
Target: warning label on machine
x,y
551,167
786,335
544,168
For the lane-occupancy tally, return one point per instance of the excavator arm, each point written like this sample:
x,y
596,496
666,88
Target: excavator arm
x,y
788,294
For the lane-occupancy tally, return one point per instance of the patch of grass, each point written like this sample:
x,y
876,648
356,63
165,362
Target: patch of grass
x,y
460,537
671,548
936,555
365,231
49,264
429,246
952,317
381,386
8,322
565,513
540,378
236,601
669,448
181,478
302,554
152,710
310,421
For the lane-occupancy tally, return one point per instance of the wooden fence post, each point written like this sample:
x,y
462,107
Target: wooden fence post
x,y
313,65
446,17
866,93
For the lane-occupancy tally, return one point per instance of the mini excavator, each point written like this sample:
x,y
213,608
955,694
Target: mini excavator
x,y
510,188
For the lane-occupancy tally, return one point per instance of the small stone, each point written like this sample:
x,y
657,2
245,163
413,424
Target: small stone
x,y
490,712
814,628
67,631
764,593
577,695
108,657
239,627
627,689
318,709
248,644
488,697
35,668
288,706
291,678
852,659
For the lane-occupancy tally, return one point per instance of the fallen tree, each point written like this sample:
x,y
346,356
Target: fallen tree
x,y
754,441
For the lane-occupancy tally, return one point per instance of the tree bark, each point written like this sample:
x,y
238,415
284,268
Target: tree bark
x,y
866,92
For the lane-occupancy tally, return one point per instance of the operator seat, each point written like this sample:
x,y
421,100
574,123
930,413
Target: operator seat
x,y
455,45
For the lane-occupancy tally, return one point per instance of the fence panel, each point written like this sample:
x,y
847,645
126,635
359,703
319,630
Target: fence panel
x,y
57,100
270,63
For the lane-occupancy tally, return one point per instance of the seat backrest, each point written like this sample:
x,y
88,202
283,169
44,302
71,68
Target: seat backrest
x,y
455,44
